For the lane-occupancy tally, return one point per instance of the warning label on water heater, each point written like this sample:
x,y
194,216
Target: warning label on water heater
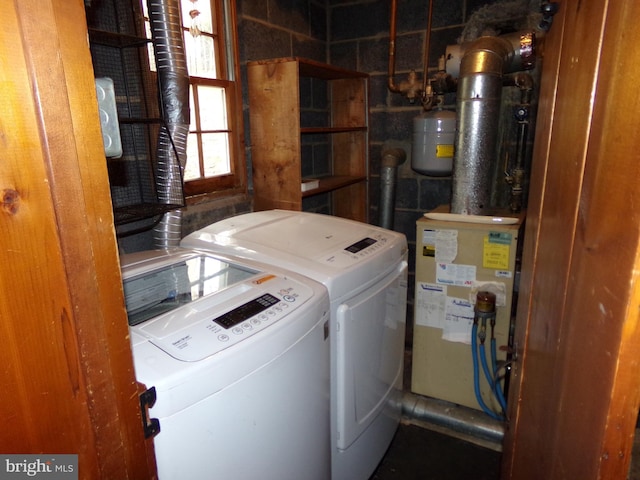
x,y
496,249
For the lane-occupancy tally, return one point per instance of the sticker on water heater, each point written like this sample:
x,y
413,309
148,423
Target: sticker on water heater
x,y
458,322
504,274
455,274
495,251
441,244
446,245
430,304
428,243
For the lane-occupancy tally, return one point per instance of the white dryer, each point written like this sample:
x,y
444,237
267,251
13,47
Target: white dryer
x,y
365,270
237,354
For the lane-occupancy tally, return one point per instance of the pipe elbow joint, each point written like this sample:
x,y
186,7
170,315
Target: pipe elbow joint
x,y
393,157
498,55
524,81
485,55
410,87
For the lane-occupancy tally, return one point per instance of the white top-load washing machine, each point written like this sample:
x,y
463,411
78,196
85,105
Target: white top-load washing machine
x,y
238,355
365,270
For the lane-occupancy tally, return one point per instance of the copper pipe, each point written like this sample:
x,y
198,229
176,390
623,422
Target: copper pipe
x,y
410,87
392,47
427,46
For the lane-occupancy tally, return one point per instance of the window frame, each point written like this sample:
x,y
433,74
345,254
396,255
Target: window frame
x,y
228,61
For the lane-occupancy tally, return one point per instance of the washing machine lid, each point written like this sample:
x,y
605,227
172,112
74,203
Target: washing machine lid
x,y
340,253
167,287
193,305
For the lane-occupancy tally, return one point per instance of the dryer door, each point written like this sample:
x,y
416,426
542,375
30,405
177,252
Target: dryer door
x,y
370,355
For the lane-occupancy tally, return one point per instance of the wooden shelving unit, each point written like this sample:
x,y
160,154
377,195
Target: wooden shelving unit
x,y
291,101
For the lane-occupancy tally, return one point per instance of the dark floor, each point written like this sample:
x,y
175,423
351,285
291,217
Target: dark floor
x,y
422,454
417,453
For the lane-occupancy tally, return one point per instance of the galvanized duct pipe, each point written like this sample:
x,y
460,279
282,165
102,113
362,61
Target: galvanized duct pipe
x,y
484,62
461,420
171,64
391,159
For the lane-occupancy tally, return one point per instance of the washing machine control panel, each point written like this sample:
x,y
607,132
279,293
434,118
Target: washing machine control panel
x,y
208,327
359,250
194,305
246,311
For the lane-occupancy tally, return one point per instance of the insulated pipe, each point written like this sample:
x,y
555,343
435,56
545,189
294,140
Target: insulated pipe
x,y
171,63
478,106
391,160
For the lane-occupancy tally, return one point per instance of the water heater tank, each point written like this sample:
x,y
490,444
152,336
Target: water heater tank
x,y
433,137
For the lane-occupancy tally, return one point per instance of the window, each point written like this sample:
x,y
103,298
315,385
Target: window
x,y
215,159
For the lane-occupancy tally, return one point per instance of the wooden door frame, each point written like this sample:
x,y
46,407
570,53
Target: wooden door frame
x,y
576,389
68,384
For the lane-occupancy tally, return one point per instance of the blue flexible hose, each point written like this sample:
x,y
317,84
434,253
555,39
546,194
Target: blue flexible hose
x,y
476,374
485,367
498,387
495,387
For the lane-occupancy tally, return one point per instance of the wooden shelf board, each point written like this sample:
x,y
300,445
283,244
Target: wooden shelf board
x,y
311,68
316,130
328,184
117,40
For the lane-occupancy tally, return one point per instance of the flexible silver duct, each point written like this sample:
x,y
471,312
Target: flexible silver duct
x,y
171,64
392,158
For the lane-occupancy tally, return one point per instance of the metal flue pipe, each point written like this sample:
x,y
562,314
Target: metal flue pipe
x,y
392,158
478,105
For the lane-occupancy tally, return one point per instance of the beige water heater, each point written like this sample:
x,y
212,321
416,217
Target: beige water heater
x,y
455,260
